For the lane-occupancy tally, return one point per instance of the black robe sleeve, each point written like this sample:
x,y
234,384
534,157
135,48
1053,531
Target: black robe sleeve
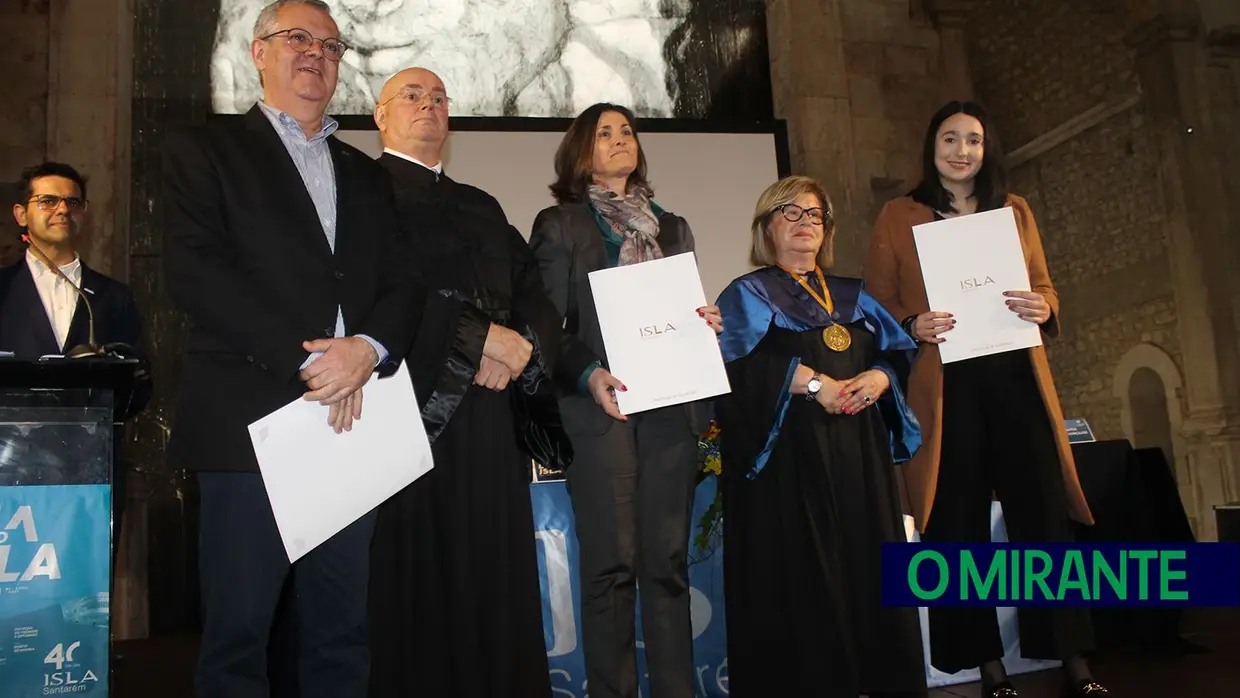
x,y
396,313
540,430
448,350
750,416
447,344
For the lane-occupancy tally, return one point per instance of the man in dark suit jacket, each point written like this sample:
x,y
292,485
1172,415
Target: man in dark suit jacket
x,y
283,248
41,314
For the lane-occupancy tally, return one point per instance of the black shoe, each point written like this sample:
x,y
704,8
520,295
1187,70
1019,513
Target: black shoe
x,y
1087,688
1000,690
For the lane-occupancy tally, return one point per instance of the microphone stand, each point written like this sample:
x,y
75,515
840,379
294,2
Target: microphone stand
x,y
90,349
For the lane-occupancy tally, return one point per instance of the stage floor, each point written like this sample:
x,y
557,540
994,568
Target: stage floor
x,y
161,668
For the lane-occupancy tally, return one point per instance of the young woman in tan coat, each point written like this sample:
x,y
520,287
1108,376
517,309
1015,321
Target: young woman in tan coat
x,y
990,425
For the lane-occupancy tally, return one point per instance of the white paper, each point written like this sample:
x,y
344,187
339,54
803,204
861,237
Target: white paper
x,y
657,344
967,264
319,481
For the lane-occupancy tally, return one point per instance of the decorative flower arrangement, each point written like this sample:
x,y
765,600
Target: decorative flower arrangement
x,y
710,527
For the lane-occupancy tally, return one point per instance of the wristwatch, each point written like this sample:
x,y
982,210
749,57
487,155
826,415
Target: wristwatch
x,y
812,387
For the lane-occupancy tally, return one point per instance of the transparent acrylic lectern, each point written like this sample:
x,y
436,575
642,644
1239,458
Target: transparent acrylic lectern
x,y
57,421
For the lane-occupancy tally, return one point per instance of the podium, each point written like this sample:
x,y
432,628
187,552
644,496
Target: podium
x,y
57,424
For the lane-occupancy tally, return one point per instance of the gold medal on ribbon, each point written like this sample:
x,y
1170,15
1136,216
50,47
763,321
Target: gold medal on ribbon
x,y
836,337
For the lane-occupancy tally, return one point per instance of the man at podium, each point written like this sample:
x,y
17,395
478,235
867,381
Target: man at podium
x,y
53,304
41,313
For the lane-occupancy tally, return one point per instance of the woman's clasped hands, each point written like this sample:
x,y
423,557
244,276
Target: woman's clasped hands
x,y
854,395
863,391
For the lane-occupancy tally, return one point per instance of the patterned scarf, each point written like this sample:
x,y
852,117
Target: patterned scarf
x,y
632,219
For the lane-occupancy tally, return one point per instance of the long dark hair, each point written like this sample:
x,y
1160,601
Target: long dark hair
x,y
574,159
989,185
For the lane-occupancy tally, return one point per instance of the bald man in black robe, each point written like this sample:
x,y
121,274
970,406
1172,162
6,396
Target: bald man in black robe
x,y
455,603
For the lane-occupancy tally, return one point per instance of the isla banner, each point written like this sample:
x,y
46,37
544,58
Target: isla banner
x,y
558,569
54,590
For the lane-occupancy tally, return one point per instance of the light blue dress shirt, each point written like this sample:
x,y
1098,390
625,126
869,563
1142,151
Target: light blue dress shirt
x,y
313,159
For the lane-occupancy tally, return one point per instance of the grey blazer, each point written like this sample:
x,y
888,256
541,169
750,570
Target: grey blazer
x,y
568,245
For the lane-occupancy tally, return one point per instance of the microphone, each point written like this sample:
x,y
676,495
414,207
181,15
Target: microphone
x,y
81,350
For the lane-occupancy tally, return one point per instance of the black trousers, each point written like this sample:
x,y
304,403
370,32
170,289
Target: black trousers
x,y
632,493
243,567
997,438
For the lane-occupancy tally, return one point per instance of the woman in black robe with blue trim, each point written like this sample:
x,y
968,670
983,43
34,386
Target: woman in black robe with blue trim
x,y
809,477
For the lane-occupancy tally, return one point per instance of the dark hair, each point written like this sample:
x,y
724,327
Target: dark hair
x,y
989,185
575,156
25,190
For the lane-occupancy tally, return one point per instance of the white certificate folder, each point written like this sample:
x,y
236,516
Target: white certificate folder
x,y
967,264
318,481
657,344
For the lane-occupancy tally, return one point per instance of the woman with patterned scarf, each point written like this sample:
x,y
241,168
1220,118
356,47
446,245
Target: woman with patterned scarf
x,y
633,477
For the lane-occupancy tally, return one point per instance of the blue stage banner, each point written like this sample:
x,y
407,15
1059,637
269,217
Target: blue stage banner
x,y
54,590
557,569
1063,574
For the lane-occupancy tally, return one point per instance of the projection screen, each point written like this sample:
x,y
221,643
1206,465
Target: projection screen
x,y
536,58
710,177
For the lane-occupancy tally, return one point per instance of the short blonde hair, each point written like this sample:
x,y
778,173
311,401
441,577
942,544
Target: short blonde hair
x,y
782,193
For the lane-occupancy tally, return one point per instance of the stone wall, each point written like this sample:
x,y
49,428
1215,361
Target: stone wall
x,y
67,99
23,111
891,57
1038,63
1084,360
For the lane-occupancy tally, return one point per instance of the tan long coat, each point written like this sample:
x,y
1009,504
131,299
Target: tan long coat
x,y
893,277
